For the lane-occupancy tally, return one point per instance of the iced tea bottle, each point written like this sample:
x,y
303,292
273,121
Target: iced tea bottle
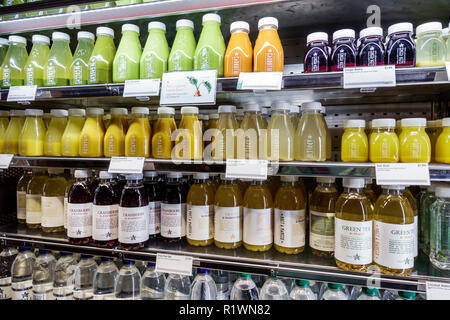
x,y
21,192
155,196
173,209
33,199
53,201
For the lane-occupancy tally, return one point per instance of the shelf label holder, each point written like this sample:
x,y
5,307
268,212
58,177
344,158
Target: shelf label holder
x,y
141,89
246,169
437,290
22,94
170,263
126,165
402,174
369,77
260,81
5,160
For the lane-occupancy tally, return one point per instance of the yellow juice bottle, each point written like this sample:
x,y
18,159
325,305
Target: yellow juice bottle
x,y
354,144
412,201
289,218
163,129
33,198
295,111
58,123
21,193
394,232
189,140
13,131
280,137
213,122
70,139
415,145
443,143
258,218
353,227
383,141
4,122
92,134
114,141
52,201
224,143
31,138
251,140
137,140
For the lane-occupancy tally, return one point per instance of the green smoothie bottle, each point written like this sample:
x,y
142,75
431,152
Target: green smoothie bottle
x,y
102,57
57,68
126,2
33,72
156,52
11,71
181,57
104,4
4,45
211,46
79,69
128,56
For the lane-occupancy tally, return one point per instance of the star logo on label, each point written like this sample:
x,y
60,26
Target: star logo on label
x,y
78,232
356,257
169,232
407,261
232,236
133,237
157,228
108,235
25,295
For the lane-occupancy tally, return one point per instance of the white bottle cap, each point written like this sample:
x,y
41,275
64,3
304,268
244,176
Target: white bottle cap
x,y
17,39
353,182
40,38
401,27
4,113
379,123
414,122
214,116
4,42
265,111
443,191
281,106
445,122
150,174
77,112
156,25
354,123
344,33
317,36
227,109
85,35
142,110
186,110
119,111
326,179
428,27
55,171
34,112
17,113
268,21
81,174
166,110
252,107
174,175
371,31
312,105
393,187
211,17
201,175
446,32
105,175
95,111
288,178
60,36
134,176
105,31
184,23
130,27
295,109
240,25
59,113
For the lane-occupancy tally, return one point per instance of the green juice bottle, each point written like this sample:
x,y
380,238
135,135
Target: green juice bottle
x,y
33,73
57,68
4,45
102,57
128,56
11,71
211,45
79,68
104,4
181,56
156,52
126,2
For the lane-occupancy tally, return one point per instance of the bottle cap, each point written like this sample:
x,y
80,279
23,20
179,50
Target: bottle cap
x,y
326,179
34,112
130,27
443,191
65,254
17,113
414,122
428,27
81,174
239,25
401,27
44,251
201,176
4,113
4,42
354,123
371,31
140,110
312,105
105,31
156,25
295,109
445,122
150,174
353,183
85,35
128,262
302,283
227,109
17,39
317,36
40,38
151,264
134,176
268,21
105,259
370,291
281,106
119,111
288,178
166,110
95,111
214,116
244,275
379,123
105,175
335,286
59,113
86,256
55,171
211,17
174,175
22,249
60,36
393,187
344,33
252,107
407,295
77,112
184,23
203,271
446,32
187,110
223,177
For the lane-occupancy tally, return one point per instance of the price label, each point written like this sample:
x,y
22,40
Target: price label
x,y
22,93
191,87
141,88
260,81
402,174
246,169
447,66
170,263
437,290
369,77
5,160
126,165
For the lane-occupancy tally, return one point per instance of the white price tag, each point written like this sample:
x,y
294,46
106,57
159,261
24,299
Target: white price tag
x,y
369,77
447,66
402,174
170,263
5,160
21,93
437,290
141,88
246,169
189,87
126,165
260,81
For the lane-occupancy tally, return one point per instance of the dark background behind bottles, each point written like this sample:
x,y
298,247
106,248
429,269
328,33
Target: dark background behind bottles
x,y
8,185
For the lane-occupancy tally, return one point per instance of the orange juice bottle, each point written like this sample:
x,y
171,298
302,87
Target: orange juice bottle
x,y
52,145
137,140
189,143
415,145
268,52
70,139
114,142
162,137
239,54
92,135
31,139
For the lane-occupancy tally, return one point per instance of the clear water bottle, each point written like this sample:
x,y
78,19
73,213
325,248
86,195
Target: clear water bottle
x,y
244,288
64,275
274,289
22,275
222,279
289,283
317,288
104,279
84,278
7,257
203,287
406,295
43,275
178,287
153,283
302,291
128,284
141,266
335,291
369,294
390,295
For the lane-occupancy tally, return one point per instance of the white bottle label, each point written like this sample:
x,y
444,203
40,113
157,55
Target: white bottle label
x,y
52,211
200,222
79,220
228,224
21,205
22,290
66,207
34,209
321,230
154,217
353,241
108,296
5,288
133,224
416,236
43,291
289,228
394,245
63,293
105,220
82,294
172,217
258,229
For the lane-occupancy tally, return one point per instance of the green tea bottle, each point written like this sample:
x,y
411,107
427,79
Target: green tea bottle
x,y
156,52
4,45
11,71
79,69
34,67
57,68
181,57
128,56
102,57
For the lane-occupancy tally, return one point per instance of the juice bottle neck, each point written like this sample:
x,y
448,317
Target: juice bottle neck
x,y
95,116
140,116
288,183
83,42
134,183
107,181
17,45
393,192
211,26
60,45
165,116
38,45
326,185
189,115
229,181
157,33
103,39
353,190
83,180
418,129
258,182
130,35
354,129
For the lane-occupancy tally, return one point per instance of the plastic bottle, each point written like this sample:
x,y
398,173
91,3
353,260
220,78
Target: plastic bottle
x,y
34,66
442,146
114,140
224,141
280,138
11,136
43,275
58,123
317,54
189,138
32,136
64,276
84,278
4,45
102,57
155,197
424,223
152,284
343,54
302,291
57,67
79,69
33,199
52,201
128,55
430,45
354,143
251,143
439,228
11,70
203,286
181,57
239,53
268,55
244,288
104,279
163,129
400,46
138,138
334,291
22,275
371,51
178,287
406,295
383,141
128,284
415,145
7,257
222,279
156,52
369,294
173,209
21,196
294,112
92,135
4,122
274,289
127,2
70,138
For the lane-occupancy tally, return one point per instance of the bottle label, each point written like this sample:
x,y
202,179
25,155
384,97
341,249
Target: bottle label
x,y
52,211
21,205
289,228
77,71
394,245
133,224
353,241
416,236
93,71
33,209
105,221
43,291
321,234
22,290
66,204
228,224
172,217
79,220
200,222
5,288
258,226
108,296
154,217
63,293
6,76
82,294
